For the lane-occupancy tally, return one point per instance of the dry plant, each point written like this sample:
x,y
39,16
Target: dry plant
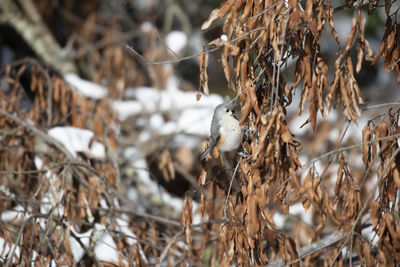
x,y
53,202
260,38
57,196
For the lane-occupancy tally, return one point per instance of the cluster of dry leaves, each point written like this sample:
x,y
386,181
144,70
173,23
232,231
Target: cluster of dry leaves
x,y
39,176
261,37
76,185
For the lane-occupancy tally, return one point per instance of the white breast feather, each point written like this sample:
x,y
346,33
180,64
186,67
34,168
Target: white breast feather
x,y
231,130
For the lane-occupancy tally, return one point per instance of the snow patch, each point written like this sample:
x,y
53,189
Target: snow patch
x,y
298,210
106,249
85,87
176,41
77,251
78,140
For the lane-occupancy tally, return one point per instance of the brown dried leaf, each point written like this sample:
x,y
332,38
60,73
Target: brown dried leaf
x,y
313,115
253,98
375,213
380,131
203,62
226,67
186,218
366,254
203,204
366,148
388,29
360,56
352,34
202,177
290,248
286,135
218,13
166,165
331,24
394,234
396,178
215,14
388,53
34,82
382,260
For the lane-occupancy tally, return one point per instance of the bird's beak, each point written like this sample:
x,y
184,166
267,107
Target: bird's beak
x,y
236,115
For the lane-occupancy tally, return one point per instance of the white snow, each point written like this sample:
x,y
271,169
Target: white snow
x,y
76,249
176,41
296,123
196,213
130,236
156,121
146,26
106,249
370,235
279,219
195,121
294,210
187,115
125,109
52,197
13,216
5,249
78,140
187,119
172,100
50,200
298,210
86,88
132,195
123,227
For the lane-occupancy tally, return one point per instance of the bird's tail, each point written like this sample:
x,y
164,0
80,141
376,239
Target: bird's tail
x,y
205,153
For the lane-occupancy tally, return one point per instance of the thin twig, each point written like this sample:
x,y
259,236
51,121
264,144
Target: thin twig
x,y
229,190
380,105
19,236
336,151
191,56
153,217
85,248
265,10
312,248
164,253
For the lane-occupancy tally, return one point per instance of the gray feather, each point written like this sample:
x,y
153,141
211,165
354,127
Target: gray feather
x,y
205,153
219,111
214,131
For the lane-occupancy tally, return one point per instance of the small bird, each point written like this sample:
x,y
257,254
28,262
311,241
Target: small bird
x,y
226,134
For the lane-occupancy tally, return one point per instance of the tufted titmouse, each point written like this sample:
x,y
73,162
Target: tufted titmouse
x,y
226,133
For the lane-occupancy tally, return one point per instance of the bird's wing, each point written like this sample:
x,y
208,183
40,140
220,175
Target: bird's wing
x,y
212,143
205,153
214,133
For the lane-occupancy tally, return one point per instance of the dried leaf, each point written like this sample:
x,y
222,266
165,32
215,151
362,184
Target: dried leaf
x,y
215,14
203,62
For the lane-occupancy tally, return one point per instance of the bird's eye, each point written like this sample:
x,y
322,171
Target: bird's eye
x,y
227,110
